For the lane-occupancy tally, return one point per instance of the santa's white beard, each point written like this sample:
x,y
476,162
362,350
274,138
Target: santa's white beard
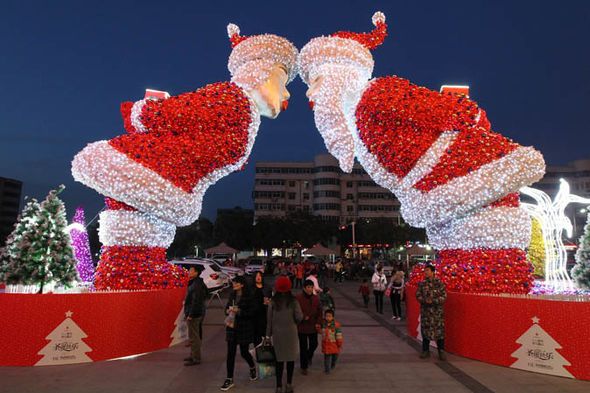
x,y
332,125
338,87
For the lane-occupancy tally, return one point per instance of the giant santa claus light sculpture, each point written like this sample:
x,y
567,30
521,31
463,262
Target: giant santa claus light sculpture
x,y
154,177
436,152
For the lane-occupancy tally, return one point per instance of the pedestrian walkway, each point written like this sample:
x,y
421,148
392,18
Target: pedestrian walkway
x,y
377,357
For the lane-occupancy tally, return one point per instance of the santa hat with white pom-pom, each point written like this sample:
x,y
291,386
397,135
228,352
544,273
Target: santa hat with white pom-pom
x,y
343,48
253,56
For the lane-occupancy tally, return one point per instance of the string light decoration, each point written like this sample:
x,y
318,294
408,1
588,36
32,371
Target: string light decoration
x,y
435,151
81,246
155,176
551,215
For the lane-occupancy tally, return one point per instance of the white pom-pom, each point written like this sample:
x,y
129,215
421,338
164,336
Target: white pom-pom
x,y
378,17
232,29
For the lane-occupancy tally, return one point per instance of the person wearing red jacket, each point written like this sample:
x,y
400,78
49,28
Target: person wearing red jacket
x,y
436,152
332,340
155,176
307,329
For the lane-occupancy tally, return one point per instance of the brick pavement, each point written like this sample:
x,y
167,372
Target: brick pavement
x,y
377,357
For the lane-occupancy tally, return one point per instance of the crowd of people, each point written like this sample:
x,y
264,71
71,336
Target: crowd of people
x,y
258,314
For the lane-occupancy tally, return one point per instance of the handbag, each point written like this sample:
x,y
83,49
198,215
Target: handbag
x,y
388,292
265,353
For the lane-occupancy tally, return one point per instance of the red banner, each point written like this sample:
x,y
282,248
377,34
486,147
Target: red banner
x,y
72,328
528,333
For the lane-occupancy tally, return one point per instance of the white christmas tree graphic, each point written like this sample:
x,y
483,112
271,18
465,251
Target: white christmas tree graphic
x,y
419,333
65,345
538,353
180,332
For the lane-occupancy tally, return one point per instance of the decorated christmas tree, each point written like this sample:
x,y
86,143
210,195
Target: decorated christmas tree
x,y
538,352
53,258
536,251
21,247
81,246
65,345
581,271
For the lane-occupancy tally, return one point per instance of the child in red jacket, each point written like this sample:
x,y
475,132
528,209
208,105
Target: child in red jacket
x,y
331,332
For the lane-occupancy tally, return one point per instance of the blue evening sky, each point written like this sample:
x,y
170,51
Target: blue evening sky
x,y
65,66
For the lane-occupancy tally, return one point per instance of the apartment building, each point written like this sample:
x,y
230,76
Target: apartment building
x,y
321,188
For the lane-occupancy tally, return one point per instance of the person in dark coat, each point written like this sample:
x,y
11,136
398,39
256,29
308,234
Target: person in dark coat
x,y
309,326
194,312
262,295
284,313
431,295
239,331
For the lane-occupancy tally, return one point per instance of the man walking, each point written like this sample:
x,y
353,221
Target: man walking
x,y
194,312
431,295
307,329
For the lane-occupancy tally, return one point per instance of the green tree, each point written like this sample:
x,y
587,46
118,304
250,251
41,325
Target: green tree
x,y
581,271
53,257
234,227
199,233
15,256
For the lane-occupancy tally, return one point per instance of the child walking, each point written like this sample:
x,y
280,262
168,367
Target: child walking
x,y
365,291
332,340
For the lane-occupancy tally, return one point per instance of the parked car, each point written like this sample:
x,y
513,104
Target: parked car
x,y
255,265
212,275
229,270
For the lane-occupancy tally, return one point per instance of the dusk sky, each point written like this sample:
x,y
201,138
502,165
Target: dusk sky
x,y
65,66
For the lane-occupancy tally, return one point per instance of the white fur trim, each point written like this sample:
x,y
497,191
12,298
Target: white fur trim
x,y
490,227
490,182
113,174
136,115
429,159
334,50
133,228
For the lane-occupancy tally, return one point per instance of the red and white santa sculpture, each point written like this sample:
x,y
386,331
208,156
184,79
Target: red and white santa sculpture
x,y
435,151
154,177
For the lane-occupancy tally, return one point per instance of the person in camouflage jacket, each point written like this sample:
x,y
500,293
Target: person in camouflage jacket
x,y
431,295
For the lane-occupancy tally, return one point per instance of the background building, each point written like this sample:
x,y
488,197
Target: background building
x,y
321,188
10,196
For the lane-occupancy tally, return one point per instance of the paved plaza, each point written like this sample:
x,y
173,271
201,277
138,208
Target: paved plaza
x,y
377,357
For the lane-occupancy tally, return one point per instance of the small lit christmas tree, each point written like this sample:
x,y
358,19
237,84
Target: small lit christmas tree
x,y
21,247
65,345
581,271
54,258
536,251
81,246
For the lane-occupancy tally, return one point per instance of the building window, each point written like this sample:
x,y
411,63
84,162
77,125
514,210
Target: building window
x,y
291,195
350,209
350,197
326,206
291,183
306,208
291,208
306,184
270,182
327,180
349,184
306,196
326,194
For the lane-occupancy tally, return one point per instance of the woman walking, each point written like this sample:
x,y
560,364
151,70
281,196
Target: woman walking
x,y
262,296
239,331
396,286
284,313
379,282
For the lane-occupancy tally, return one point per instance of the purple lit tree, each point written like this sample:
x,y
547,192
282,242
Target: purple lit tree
x,y
81,246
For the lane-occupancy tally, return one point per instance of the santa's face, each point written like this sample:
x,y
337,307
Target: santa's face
x,y
331,92
272,95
